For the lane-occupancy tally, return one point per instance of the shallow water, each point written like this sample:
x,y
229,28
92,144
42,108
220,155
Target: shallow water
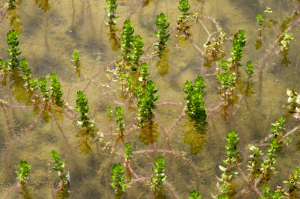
x,y
51,32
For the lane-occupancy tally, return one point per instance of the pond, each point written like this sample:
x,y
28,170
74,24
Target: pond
x,y
49,30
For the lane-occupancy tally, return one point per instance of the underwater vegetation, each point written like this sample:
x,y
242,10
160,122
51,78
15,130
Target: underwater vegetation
x,y
174,103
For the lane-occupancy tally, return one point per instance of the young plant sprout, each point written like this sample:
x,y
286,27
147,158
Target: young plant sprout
x,y
146,102
195,195
259,19
43,87
13,51
137,49
57,93
163,35
159,176
249,70
184,7
285,42
238,42
268,10
59,167
23,172
195,103
111,11
128,152
232,160
76,62
118,178
120,122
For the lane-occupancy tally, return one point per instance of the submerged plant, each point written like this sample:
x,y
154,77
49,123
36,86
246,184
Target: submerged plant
x,y
285,42
76,58
120,122
249,70
146,102
59,167
195,103
118,178
23,172
163,35
82,108
13,51
111,11
259,19
57,93
159,176
137,49
238,42
195,195
128,152
184,7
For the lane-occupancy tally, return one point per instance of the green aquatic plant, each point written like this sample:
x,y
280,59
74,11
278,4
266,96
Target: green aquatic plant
x,y
59,167
184,7
126,40
268,195
249,70
26,70
268,10
137,49
57,93
226,81
259,19
232,160
159,176
144,73
195,195
120,122
76,58
238,42
82,108
146,102
111,11
293,181
118,178
13,51
277,128
163,35
23,172
195,102
128,152
10,4
43,83
254,163
285,42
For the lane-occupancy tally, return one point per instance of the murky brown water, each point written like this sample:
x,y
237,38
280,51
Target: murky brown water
x,y
51,31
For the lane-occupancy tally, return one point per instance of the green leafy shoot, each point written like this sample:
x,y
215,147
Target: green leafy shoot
x,y
26,71
137,49
249,70
146,102
285,42
13,51
254,163
144,73
83,109
76,58
231,151
268,195
162,34
59,166
111,11
128,152
195,103
120,118
238,42
159,176
127,40
259,19
118,178
195,195
57,93
184,7
293,181
23,172
43,87
278,127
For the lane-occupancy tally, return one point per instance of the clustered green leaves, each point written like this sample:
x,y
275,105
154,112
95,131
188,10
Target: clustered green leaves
x,y
294,103
146,102
195,102
128,151
76,58
23,172
293,181
238,42
118,178
285,42
127,39
278,127
268,195
226,80
43,87
162,34
13,42
111,11
26,70
195,195
254,163
137,49
59,166
120,118
249,70
83,109
184,7
232,159
55,87
259,18
159,176
144,73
